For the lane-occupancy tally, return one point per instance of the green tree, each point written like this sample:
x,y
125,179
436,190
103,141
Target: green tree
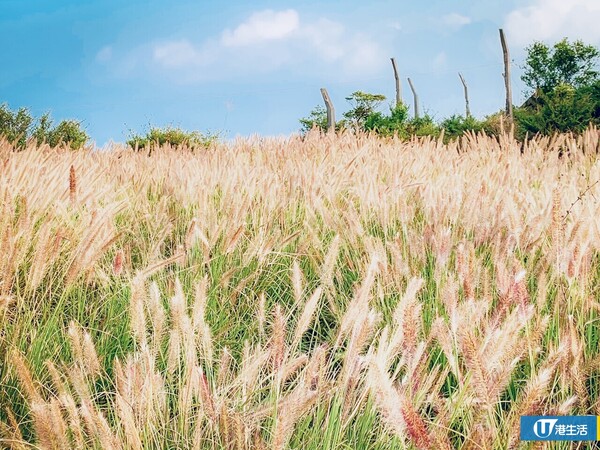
x,y
423,126
398,123
317,118
456,125
565,85
567,63
15,126
565,109
18,128
395,123
67,132
42,129
363,105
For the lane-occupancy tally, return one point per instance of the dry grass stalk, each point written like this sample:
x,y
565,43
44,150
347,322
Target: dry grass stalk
x,y
199,324
534,395
306,317
262,315
72,185
289,411
10,435
348,186
43,257
386,398
278,332
297,283
328,268
407,316
84,351
118,263
136,310
20,367
224,372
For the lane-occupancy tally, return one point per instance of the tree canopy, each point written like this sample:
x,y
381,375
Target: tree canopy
x,y
363,105
18,127
573,64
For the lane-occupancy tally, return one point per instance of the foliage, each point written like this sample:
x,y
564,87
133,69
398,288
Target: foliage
x,y
316,119
394,123
397,123
566,97
565,63
564,109
18,128
363,105
566,89
175,137
495,124
423,126
456,125
593,93
67,132
15,126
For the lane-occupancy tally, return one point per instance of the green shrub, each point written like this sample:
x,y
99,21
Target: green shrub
x,y
364,105
423,126
494,124
67,132
316,119
364,117
175,137
17,127
395,123
565,89
455,126
563,109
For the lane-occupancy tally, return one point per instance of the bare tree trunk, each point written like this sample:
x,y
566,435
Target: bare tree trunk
x,y
416,98
464,83
398,85
509,106
330,110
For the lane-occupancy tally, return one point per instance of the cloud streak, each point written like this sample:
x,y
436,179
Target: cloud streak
x,y
263,26
269,40
176,53
552,20
455,20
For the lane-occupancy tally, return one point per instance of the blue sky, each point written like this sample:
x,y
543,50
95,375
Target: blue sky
x,y
245,67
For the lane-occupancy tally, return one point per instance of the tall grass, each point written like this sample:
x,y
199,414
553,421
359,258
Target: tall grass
x,y
326,292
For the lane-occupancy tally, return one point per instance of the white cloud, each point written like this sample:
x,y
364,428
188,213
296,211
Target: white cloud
x,y
175,53
365,55
326,38
552,20
104,55
269,40
263,26
455,20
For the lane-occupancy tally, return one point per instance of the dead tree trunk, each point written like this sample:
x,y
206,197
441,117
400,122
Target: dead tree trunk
x,y
398,85
330,110
509,106
416,98
464,83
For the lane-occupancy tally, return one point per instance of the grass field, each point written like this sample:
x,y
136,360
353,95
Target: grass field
x,y
328,293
